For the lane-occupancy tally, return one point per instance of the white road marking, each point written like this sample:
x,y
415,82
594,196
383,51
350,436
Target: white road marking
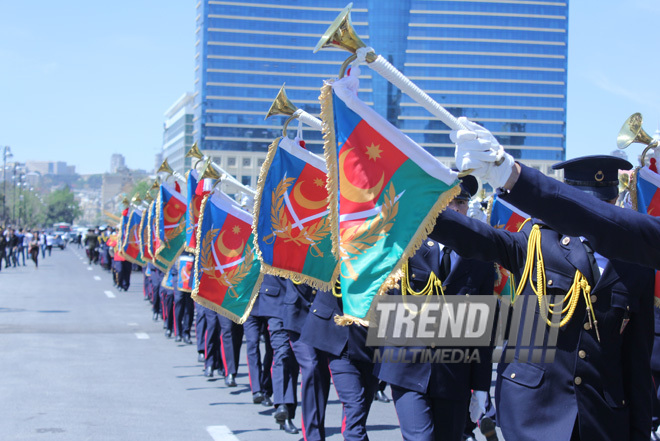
x,y
142,335
221,433
110,294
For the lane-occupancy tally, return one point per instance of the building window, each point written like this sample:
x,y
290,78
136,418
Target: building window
x,y
247,162
246,180
231,161
260,162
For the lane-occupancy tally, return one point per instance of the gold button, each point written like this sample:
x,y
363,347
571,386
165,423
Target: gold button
x,y
266,289
413,276
313,291
566,240
314,310
513,375
594,298
582,354
577,381
587,326
429,243
623,402
550,282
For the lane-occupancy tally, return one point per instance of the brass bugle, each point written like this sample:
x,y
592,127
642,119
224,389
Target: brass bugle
x,y
341,34
283,106
195,152
165,168
632,132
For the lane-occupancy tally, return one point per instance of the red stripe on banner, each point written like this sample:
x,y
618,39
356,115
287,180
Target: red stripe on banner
x,y
654,206
367,161
657,286
309,196
504,277
515,222
289,256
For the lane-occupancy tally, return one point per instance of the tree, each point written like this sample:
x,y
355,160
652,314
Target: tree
x,y
62,207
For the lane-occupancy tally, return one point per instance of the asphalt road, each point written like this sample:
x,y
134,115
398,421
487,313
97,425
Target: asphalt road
x,y
83,361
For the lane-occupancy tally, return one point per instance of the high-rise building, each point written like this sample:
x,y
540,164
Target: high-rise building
x,y
117,163
501,64
178,133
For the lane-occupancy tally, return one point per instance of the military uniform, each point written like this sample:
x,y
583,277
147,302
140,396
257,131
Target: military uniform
x,y
350,361
598,386
432,399
315,381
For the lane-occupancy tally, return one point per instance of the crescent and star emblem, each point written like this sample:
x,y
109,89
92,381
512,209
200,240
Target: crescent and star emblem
x,y
228,252
172,213
307,203
350,191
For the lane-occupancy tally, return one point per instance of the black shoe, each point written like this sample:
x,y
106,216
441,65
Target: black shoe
x,y
230,381
288,427
208,372
155,316
487,427
267,402
186,339
177,338
654,436
380,396
281,413
469,438
257,397
168,333
200,357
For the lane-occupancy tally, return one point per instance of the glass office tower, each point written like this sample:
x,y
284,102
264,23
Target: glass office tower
x,y
500,63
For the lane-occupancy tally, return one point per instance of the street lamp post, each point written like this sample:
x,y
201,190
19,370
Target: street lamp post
x,y
6,153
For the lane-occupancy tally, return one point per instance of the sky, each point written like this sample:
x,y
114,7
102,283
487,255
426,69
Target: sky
x,y
81,80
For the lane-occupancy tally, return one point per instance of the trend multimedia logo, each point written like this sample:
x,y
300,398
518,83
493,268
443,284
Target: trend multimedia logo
x,y
460,329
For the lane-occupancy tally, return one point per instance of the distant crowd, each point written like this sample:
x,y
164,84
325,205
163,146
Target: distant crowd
x,y
20,244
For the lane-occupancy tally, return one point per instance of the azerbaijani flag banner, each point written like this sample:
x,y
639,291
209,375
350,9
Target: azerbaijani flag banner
x,y
504,215
385,195
121,230
291,216
152,233
194,200
170,225
227,271
646,199
184,282
143,231
130,248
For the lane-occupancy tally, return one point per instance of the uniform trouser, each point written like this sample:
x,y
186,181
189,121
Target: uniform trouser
x,y
231,339
426,418
259,371
200,328
168,308
146,286
184,309
156,279
125,274
356,385
212,341
116,269
655,419
314,387
285,367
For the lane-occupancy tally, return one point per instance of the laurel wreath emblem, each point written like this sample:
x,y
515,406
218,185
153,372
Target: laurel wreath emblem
x,y
357,239
174,232
231,278
282,227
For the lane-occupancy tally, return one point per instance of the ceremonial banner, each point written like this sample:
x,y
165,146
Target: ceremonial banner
x,y
291,216
645,197
152,233
121,230
194,200
184,282
170,225
130,248
143,231
504,215
385,194
227,272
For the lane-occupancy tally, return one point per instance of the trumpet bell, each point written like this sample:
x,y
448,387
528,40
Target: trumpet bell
x,y
165,168
136,200
282,105
154,186
341,33
194,152
632,131
209,172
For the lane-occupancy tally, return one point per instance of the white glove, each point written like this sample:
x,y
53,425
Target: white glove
x,y
477,149
477,404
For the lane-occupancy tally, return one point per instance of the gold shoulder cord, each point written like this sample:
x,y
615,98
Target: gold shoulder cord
x,y
334,289
570,301
433,286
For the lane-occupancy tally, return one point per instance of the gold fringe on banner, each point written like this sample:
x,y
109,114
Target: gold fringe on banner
x,y
261,182
632,188
330,154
